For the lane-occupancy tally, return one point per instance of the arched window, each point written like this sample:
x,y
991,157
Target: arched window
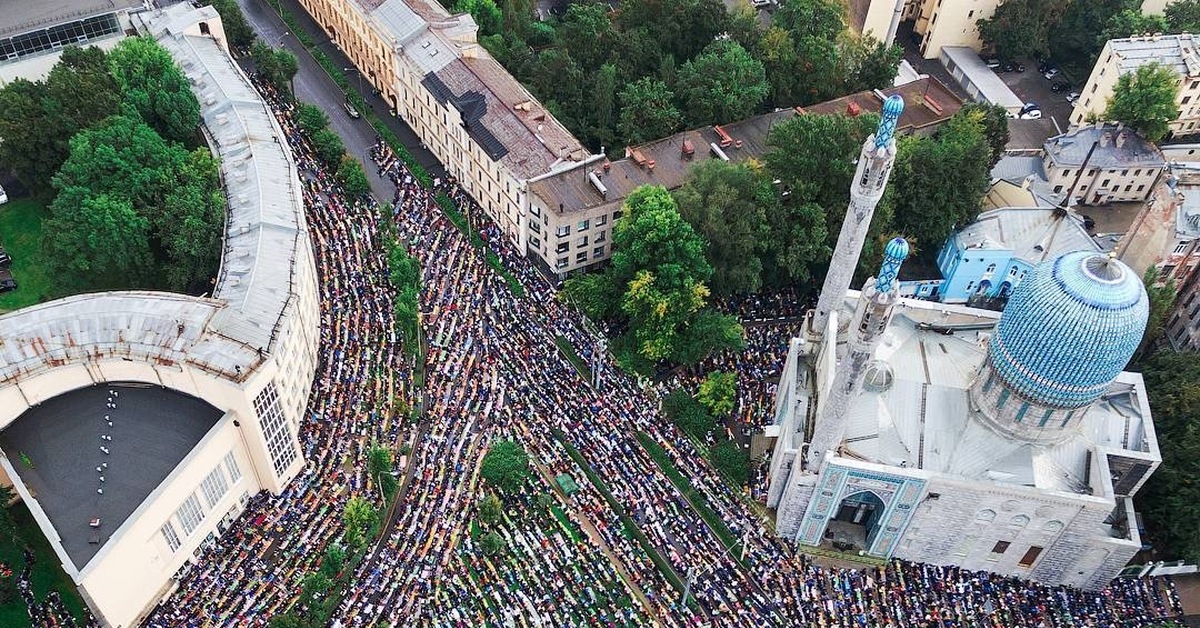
x,y
986,515
991,268
1052,527
1019,521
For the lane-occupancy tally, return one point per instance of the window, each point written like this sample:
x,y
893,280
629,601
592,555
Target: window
x,y
168,532
1030,556
1003,398
535,242
214,486
1000,547
598,252
1141,187
189,514
1104,183
970,284
563,232
601,220
601,237
1021,412
1128,187
535,226
1092,172
1180,248
561,263
990,269
231,467
1124,173
275,428
562,247
1046,417
1137,173
56,37
1057,189
535,210
583,225
581,257
617,215
581,242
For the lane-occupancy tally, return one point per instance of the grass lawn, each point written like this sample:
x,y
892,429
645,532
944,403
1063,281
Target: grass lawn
x,y
21,237
47,573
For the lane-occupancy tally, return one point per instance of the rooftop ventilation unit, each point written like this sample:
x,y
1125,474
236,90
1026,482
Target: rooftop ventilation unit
x,y
599,185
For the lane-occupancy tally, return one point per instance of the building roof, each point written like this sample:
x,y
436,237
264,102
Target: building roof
x,y
266,236
665,161
1115,147
153,430
991,88
22,16
1033,234
922,416
1027,172
1177,52
1070,329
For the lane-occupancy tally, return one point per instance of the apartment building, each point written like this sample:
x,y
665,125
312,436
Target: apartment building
x,y
571,214
1102,163
1122,56
486,129
1182,330
942,23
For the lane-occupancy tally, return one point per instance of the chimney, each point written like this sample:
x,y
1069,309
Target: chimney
x,y
607,165
1120,141
688,149
1104,137
852,109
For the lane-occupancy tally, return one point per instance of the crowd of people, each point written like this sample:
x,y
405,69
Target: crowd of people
x,y
50,612
623,547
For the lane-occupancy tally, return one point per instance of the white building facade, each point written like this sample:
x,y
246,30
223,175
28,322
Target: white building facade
x,y
250,351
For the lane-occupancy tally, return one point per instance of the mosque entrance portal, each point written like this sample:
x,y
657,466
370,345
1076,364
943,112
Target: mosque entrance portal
x,y
856,522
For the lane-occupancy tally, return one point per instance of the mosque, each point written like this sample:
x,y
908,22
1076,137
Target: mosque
x,y
1006,442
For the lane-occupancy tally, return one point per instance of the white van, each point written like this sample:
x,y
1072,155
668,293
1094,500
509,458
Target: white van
x,y
3,196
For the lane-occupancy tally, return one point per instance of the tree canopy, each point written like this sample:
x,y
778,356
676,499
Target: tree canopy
x,y
718,392
505,466
155,87
722,84
1145,100
647,111
236,29
1183,16
1021,28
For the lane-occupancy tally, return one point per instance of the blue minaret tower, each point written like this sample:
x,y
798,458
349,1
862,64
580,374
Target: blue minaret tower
x,y
874,167
871,319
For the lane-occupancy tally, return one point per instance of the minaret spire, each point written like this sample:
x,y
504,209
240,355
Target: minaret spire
x,y
871,319
874,167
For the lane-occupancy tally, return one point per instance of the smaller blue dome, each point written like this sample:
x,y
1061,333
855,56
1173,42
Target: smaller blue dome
x,y
1070,329
896,248
893,106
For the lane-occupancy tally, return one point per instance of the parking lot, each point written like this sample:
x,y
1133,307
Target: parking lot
x,y
1031,86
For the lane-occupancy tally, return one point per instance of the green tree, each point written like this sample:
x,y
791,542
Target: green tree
x,y
156,87
28,137
868,63
950,171
360,519
814,156
505,466
311,119
732,460
490,509
234,22
994,120
189,223
718,392
492,543
333,560
354,181
586,33
647,111
1170,500
680,28
379,467
328,146
824,19
286,67
1183,16
1021,28
1162,299
688,414
1075,41
1145,100
313,586
559,80
780,60
1130,22
96,241
278,66
595,293
722,84
708,332
286,620
487,15
722,202
603,104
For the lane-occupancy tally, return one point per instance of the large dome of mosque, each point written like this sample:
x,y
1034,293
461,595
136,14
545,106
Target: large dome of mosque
x,y
1070,329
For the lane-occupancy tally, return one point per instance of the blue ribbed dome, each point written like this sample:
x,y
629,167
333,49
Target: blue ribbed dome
x,y
897,248
893,106
1070,329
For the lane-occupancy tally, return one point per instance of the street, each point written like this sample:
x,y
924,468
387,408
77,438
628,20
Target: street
x,y
313,85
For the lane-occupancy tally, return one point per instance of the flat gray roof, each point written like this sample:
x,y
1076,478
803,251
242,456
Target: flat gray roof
x,y
991,88
22,16
153,430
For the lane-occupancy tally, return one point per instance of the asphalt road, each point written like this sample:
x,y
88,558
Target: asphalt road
x,y
313,85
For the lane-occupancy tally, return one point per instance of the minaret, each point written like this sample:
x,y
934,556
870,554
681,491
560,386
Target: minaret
x,y
871,319
874,168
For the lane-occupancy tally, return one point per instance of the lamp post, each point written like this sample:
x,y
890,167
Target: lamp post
x,y
359,72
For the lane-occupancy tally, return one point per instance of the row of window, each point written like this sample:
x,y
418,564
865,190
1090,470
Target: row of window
x,y
55,37
580,258
275,428
190,514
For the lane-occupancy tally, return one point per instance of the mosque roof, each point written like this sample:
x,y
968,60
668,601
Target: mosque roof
x,y
919,414
1070,329
1033,234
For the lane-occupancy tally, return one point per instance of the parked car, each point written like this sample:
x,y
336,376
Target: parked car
x,y
5,259
7,283
992,63
760,4
1032,114
1050,74
1072,97
1060,86
1014,66
350,110
1045,66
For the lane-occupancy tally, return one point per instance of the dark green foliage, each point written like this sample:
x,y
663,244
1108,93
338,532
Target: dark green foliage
x,y
1021,28
311,119
727,205
1170,500
505,466
328,146
1145,100
1183,16
722,84
487,15
156,87
404,273
333,561
490,509
492,543
1076,41
379,468
688,414
354,181
1162,298
234,22
648,111
732,460
277,65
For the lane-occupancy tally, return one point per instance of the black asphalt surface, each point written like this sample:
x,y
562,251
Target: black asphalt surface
x,y
153,430
313,85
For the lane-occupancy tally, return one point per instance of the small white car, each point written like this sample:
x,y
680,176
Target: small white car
x,y
1032,114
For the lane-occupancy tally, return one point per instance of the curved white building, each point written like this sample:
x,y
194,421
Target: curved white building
x,y
126,479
